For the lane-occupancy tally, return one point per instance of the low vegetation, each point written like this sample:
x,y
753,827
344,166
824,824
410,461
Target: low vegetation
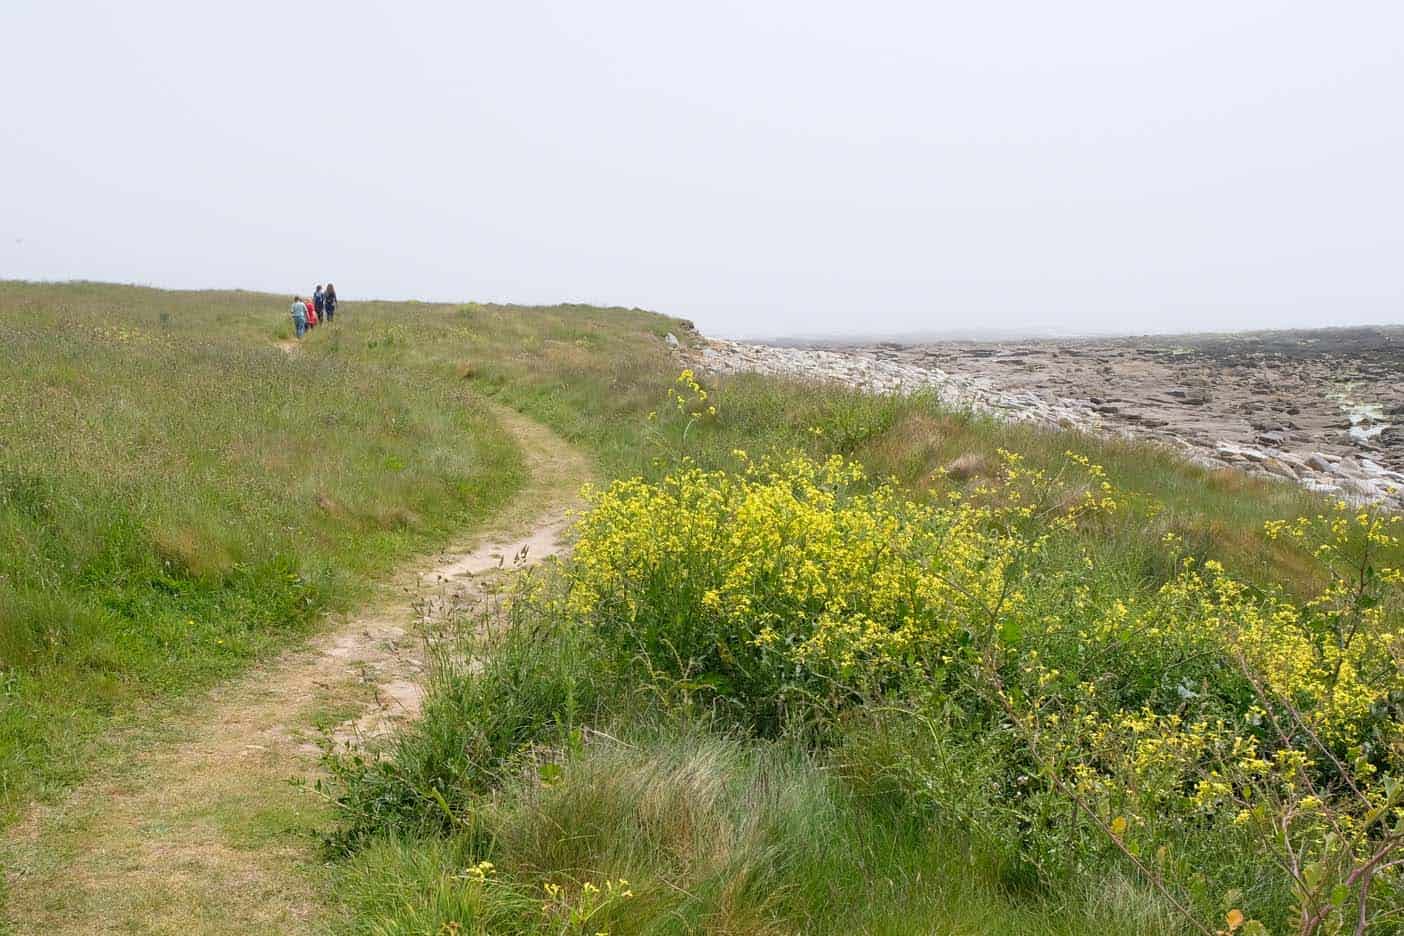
x,y
1022,681
178,496
822,662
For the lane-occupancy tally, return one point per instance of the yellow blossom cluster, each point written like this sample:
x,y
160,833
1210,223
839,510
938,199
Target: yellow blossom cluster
x,y
1204,702
689,396
579,909
803,568
1334,658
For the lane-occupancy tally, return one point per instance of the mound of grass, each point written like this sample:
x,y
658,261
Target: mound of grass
x,y
504,812
692,832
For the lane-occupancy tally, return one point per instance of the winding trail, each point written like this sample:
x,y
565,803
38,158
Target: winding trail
x,y
201,830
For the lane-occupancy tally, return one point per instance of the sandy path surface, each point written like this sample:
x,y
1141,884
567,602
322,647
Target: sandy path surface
x,y
202,830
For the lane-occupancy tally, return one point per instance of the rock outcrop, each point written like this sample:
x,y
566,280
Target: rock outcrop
x,y
1290,419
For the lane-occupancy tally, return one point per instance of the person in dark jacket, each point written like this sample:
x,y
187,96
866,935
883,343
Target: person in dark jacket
x,y
319,302
329,302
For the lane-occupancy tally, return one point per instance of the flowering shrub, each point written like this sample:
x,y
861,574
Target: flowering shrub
x,y
1293,751
1203,711
799,579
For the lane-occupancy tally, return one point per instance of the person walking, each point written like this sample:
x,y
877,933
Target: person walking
x,y
329,303
311,313
299,316
319,303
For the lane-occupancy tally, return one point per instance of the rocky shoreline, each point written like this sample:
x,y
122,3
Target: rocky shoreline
x,y
1318,408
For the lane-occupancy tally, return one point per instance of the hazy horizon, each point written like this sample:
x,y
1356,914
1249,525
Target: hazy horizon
x,y
779,170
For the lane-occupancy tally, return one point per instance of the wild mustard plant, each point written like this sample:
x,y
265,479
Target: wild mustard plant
x,y
1291,735
688,404
580,910
1203,711
803,578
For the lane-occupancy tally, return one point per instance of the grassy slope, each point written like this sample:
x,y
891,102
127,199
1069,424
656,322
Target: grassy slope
x,y
596,386
715,833
733,824
239,501
178,495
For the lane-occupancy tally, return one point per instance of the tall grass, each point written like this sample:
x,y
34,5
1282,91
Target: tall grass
x,y
178,495
571,758
707,830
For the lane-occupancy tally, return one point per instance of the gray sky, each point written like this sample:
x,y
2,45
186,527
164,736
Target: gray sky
x,y
760,167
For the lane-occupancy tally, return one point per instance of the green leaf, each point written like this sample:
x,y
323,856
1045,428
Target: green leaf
x,y
1313,874
1010,631
438,797
718,683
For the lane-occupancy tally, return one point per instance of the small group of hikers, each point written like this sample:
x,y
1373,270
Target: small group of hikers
x,y
309,313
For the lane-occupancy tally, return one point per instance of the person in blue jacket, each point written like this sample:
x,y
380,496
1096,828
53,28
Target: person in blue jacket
x,y
299,315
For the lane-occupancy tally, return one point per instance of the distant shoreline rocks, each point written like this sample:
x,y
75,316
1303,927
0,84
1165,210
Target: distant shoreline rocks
x,y
1245,422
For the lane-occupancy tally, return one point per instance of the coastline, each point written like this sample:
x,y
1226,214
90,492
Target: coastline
x,y
1322,409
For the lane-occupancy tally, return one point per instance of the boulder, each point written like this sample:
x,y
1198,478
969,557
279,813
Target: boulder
x,y
1322,462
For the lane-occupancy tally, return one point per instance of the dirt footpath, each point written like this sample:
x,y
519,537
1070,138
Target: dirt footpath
x,y
203,830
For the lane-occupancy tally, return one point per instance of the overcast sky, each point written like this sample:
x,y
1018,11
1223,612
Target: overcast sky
x,y
760,167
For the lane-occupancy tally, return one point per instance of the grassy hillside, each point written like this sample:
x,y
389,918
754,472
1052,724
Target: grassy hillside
x,y
1039,682
178,495
824,661
557,365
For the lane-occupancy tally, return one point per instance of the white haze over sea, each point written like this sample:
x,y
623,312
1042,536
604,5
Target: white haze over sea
x,y
774,168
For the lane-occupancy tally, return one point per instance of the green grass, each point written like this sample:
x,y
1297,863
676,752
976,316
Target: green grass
x,y
716,830
717,835
179,496
549,765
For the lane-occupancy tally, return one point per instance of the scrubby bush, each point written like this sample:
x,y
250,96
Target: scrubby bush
x,y
1203,718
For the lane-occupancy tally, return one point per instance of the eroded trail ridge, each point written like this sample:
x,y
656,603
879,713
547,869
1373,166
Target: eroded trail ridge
x,y
201,830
